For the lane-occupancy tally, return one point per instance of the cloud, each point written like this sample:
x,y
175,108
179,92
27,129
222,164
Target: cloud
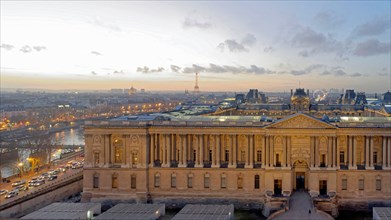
x,y
356,75
214,68
307,70
371,47
102,24
118,72
7,46
334,71
96,53
194,23
39,48
312,42
268,49
93,73
235,46
26,49
375,27
249,40
146,69
328,19
175,68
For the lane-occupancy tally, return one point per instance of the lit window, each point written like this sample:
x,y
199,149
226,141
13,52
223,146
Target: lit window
x,y
134,158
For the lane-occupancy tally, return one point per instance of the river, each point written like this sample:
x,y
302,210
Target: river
x,y
72,136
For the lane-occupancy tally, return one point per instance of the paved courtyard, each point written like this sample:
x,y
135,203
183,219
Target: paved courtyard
x,y
300,207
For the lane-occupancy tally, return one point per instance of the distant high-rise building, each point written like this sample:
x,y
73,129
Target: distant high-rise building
x,y
360,99
387,97
196,87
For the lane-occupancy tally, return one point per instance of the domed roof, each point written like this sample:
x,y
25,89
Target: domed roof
x,y
299,93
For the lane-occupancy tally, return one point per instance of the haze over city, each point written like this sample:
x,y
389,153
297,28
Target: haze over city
x,y
234,46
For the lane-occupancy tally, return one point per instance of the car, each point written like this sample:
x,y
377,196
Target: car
x,y
22,188
54,172
19,182
39,182
3,191
11,194
32,182
52,177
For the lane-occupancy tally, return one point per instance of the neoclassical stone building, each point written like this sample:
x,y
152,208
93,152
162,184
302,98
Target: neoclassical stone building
x,y
238,159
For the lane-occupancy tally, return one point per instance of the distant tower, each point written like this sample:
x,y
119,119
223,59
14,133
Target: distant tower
x,y
196,88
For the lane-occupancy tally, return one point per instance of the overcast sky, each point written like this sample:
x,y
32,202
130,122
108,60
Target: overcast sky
x,y
271,46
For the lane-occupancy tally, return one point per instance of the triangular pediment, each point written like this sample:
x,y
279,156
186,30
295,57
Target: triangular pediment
x,y
300,121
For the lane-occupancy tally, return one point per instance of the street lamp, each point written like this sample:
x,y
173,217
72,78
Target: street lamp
x,y
20,165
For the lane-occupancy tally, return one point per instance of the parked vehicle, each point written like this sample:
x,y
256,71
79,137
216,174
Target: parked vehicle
x,y
51,178
3,191
39,182
12,194
19,182
22,188
32,182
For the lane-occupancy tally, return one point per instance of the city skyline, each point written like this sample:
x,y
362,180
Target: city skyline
x,y
161,45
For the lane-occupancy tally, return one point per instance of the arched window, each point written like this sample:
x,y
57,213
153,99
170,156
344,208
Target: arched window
x,y
118,151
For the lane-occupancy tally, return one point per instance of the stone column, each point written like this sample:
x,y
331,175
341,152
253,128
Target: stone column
x,y
384,152
272,161
218,150
151,150
333,163
337,153
367,151
264,151
201,150
354,156
316,147
107,150
235,147
184,151
312,152
289,149
371,154
329,151
267,154
164,150
283,156
250,158
389,153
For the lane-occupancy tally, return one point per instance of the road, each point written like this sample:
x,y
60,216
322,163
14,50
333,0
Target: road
x,y
60,177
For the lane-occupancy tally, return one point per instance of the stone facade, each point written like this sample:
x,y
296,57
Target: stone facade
x,y
229,161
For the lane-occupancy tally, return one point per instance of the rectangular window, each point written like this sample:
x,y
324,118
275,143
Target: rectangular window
x,y
240,182
344,184
378,184
189,182
223,182
134,158
226,155
374,158
210,155
96,158
133,182
278,162
342,157
323,160
157,181
243,156
259,156
206,182
96,181
256,182
361,184
173,181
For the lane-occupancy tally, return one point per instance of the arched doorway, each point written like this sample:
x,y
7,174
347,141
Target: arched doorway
x,y
300,175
